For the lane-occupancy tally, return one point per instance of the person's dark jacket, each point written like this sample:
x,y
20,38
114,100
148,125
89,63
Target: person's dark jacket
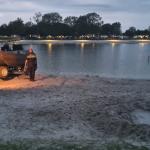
x,y
31,61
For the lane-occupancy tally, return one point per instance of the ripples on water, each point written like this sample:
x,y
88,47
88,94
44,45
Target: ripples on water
x,y
121,60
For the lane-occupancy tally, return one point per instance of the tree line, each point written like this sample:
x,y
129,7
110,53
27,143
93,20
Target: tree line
x,y
53,24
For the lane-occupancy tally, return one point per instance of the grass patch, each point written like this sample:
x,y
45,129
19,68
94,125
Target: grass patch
x,y
125,146
19,146
68,146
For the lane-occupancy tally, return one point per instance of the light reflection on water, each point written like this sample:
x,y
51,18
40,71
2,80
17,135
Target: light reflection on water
x,y
104,59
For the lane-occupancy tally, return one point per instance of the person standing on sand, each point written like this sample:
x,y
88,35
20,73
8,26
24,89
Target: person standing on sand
x,y
31,64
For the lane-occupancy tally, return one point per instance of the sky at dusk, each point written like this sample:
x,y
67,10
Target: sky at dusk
x,y
128,12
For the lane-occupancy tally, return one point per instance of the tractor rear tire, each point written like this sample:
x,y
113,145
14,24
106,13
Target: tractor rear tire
x,y
3,72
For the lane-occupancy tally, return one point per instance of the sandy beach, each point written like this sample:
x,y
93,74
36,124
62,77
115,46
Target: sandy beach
x,y
75,108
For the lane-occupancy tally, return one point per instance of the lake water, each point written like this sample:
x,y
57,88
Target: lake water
x,y
120,60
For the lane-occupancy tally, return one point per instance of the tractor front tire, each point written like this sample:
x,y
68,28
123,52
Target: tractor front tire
x,y
3,72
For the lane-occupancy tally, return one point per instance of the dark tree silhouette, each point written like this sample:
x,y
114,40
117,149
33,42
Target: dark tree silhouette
x,y
52,18
54,25
30,29
37,17
116,28
70,21
16,27
131,32
4,30
106,29
94,19
88,24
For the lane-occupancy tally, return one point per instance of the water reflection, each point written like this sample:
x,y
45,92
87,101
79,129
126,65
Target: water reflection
x,y
104,59
113,44
82,45
142,45
49,48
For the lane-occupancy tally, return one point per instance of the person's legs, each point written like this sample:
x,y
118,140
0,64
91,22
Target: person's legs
x,y
32,76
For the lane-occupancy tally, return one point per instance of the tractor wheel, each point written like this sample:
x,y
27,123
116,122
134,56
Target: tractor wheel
x,y
3,72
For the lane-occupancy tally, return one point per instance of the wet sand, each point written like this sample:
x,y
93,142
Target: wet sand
x,y
73,108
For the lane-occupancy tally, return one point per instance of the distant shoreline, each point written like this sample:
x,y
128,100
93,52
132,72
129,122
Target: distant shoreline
x,y
79,41
26,42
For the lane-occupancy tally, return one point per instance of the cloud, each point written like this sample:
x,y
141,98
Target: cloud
x,y
126,11
17,6
133,6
